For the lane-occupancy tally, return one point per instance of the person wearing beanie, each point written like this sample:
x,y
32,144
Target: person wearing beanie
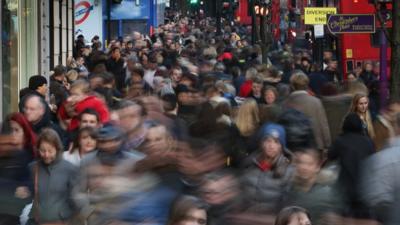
x,y
38,86
269,171
38,83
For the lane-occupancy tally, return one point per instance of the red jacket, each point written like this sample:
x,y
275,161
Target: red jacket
x,y
245,89
90,102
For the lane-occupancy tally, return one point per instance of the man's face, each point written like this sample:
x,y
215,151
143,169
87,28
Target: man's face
x,y
256,88
327,55
89,120
217,192
34,110
157,140
307,165
333,64
116,54
176,75
130,118
43,89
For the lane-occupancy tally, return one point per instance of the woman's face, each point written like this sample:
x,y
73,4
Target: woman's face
x,y
362,105
271,147
47,152
195,217
269,97
299,219
17,132
86,143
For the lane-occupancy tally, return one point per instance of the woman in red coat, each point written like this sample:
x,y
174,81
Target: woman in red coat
x,y
79,100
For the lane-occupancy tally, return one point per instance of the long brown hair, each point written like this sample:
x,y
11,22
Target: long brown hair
x,y
50,136
85,130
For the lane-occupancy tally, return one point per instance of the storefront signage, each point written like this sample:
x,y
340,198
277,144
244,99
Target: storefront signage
x,y
351,23
317,15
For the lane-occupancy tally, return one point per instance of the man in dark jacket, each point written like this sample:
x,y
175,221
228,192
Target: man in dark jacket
x,y
331,72
38,115
350,149
97,193
115,65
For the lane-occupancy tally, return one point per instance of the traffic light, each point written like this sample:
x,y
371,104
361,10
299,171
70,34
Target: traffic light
x,y
194,2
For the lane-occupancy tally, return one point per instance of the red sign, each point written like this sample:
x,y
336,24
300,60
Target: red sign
x,y
82,11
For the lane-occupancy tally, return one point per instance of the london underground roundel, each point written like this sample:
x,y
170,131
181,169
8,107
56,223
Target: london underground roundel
x,y
82,11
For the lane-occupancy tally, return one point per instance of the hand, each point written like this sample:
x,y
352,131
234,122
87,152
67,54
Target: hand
x,y
53,108
22,192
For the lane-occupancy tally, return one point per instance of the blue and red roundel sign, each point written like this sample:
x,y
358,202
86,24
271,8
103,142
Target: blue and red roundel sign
x,y
82,11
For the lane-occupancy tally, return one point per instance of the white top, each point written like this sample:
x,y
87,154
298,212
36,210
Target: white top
x,y
73,158
149,77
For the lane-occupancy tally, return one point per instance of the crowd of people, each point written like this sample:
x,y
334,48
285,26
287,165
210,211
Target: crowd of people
x,y
187,127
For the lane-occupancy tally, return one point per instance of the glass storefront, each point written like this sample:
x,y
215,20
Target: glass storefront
x,y
20,46
29,41
9,53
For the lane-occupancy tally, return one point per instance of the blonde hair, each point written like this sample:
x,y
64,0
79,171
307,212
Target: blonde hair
x,y
81,85
299,80
367,117
247,119
72,75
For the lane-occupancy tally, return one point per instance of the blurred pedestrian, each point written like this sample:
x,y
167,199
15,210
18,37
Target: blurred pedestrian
x,y
188,210
53,179
293,215
269,171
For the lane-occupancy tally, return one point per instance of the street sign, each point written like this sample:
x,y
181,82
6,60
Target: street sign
x,y
317,15
351,23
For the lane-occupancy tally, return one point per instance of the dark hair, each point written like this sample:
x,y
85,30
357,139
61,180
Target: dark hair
x,y
182,206
90,130
318,154
36,81
91,112
138,70
50,136
283,217
170,101
128,103
115,48
60,70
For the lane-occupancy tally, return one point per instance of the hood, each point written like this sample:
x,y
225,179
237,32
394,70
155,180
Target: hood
x,y
352,123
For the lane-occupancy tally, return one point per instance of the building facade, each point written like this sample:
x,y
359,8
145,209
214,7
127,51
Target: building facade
x,y
36,36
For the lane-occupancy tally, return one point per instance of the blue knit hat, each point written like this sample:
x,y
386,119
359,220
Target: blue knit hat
x,y
273,130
